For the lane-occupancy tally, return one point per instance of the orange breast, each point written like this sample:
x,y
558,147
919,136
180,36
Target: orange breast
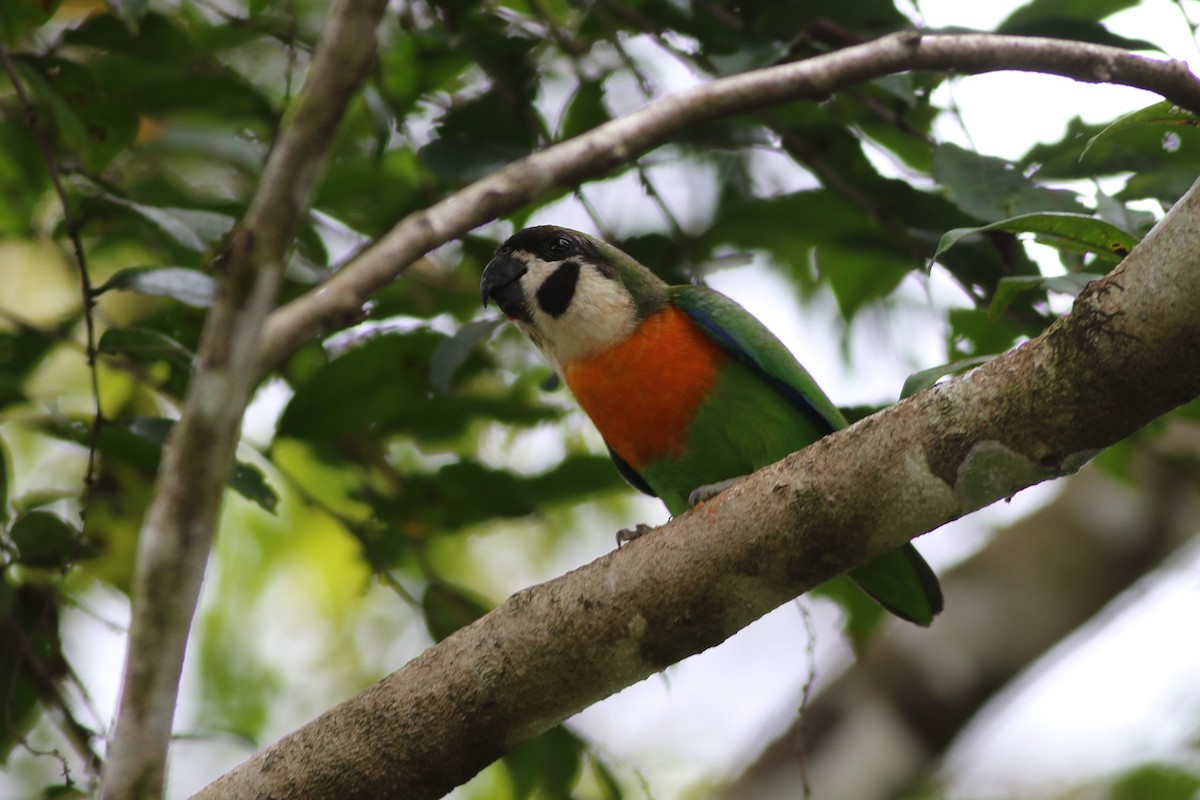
x,y
643,393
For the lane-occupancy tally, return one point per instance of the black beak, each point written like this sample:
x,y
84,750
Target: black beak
x,y
501,281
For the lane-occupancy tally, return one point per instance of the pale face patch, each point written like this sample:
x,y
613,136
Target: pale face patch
x,y
578,318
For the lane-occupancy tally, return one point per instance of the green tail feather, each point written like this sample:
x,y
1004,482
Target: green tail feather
x,y
903,583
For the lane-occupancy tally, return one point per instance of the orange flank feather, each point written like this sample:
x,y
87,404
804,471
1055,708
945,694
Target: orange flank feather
x,y
643,393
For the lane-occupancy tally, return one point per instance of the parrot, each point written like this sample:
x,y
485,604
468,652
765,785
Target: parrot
x,y
689,391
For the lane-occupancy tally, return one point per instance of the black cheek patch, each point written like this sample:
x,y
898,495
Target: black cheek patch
x,y
555,293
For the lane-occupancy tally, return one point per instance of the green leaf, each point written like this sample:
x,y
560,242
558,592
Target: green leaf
x,y
1079,233
450,354
1144,149
1162,113
477,136
144,344
250,482
991,188
246,479
21,351
1078,20
139,441
1080,30
149,346
193,229
23,180
1008,288
862,272
447,608
973,332
44,540
1039,10
609,786
370,193
1166,184
88,120
1113,210
223,95
920,381
188,286
784,20
420,63
547,766
19,18
468,493
773,225
132,10
30,650
158,38
585,111
382,387
458,161
1156,782
40,498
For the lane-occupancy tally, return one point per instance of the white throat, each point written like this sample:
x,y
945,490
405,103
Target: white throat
x,y
601,314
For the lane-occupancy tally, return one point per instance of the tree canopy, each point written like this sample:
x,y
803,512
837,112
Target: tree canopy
x,y
207,206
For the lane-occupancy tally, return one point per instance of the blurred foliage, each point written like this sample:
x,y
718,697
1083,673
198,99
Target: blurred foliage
x,y
389,454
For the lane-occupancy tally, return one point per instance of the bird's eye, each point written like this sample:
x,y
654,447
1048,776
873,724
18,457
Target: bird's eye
x,y
559,247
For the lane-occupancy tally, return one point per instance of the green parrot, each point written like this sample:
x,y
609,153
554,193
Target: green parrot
x,y
689,390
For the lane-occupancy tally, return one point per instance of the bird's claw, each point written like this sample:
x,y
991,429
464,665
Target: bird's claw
x,y
626,535
708,491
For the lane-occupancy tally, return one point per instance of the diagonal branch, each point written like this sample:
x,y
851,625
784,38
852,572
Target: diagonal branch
x,y
1124,356
340,300
177,533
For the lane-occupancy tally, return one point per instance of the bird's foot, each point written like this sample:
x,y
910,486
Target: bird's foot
x,y
626,535
708,491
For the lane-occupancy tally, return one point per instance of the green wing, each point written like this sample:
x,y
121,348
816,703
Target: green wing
x,y
900,581
748,340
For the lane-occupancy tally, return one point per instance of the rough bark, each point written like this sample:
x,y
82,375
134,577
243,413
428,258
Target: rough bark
x,y
1125,355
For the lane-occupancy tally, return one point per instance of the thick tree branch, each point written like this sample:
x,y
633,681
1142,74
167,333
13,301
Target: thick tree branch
x,y
176,536
1124,356
340,300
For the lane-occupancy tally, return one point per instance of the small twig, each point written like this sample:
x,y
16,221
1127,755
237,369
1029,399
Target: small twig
x,y
810,680
77,735
29,658
64,765
88,297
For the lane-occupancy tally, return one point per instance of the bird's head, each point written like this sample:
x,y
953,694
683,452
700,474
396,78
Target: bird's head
x,y
573,295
